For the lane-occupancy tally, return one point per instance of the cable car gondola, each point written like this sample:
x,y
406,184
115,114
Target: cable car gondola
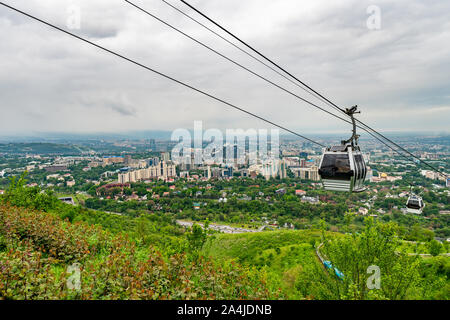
x,y
414,204
342,168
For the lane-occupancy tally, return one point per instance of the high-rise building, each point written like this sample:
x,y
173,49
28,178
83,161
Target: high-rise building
x,y
216,172
152,143
168,170
153,161
311,173
165,156
369,174
128,159
283,169
142,164
228,172
207,173
112,160
270,169
231,154
162,170
123,178
302,163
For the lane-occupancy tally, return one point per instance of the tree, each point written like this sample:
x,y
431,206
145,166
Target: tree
x,y
19,195
142,228
196,238
435,247
377,245
348,219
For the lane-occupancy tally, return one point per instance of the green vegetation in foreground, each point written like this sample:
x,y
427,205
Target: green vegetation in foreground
x,y
37,248
245,247
432,247
281,255
150,257
401,276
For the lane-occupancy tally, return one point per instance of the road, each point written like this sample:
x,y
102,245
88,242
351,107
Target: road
x,y
221,228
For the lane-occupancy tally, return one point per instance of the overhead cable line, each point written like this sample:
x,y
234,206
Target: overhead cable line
x,y
233,61
239,48
246,69
365,127
259,60
279,73
400,147
260,54
159,73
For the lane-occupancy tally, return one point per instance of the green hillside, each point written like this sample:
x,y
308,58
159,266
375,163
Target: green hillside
x,y
41,148
282,256
151,257
246,246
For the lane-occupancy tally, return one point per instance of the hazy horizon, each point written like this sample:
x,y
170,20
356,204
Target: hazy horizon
x,y
166,135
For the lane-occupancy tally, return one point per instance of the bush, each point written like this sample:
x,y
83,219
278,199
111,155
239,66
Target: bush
x,y
40,247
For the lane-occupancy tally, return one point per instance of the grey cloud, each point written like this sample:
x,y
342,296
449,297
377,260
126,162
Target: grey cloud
x,y
402,69
123,110
108,101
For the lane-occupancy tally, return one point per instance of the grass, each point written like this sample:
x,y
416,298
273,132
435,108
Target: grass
x,y
285,258
246,246
282,255
284,265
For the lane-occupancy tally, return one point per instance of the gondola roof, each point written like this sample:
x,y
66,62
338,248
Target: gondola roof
x,y
339,148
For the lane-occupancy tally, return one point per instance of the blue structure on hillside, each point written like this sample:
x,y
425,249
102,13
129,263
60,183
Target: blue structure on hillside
x,y
337,272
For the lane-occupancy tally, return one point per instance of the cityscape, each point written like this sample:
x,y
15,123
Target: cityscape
x,y
253,159
94,178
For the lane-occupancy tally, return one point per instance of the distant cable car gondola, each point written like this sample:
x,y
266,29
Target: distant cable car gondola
x,y
414,204
342,168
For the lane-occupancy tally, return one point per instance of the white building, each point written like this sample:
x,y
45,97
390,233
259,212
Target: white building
x,y
163,170
363,211
307,173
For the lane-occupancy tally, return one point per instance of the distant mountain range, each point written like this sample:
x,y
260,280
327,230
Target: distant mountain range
x,y
71,137
61,137
41,148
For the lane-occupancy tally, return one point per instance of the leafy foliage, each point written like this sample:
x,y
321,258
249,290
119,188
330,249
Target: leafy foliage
x,y
144,255
401,275
40,246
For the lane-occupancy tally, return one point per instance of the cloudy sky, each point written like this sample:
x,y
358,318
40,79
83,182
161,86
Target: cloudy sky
x,y
399,74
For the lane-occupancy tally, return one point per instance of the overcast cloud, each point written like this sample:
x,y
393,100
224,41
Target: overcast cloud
x,y
398,75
